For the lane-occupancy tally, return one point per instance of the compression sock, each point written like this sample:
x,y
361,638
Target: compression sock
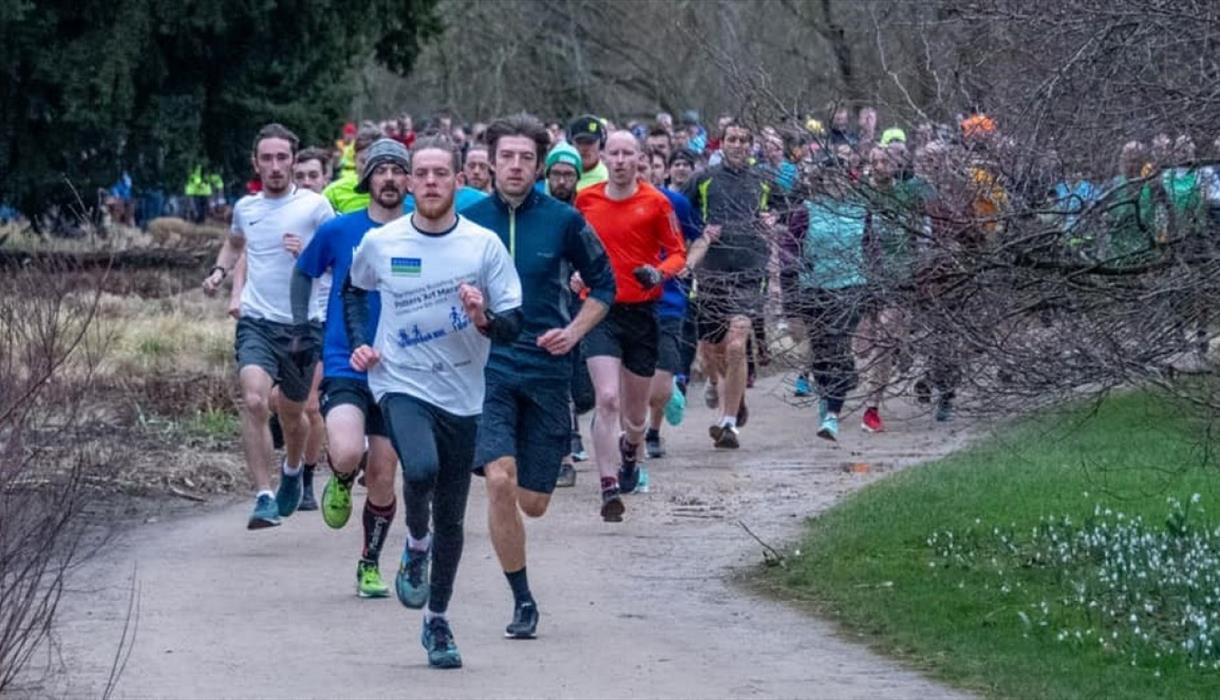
x,y
377,521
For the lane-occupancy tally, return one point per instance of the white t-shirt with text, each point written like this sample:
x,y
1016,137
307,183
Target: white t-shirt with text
x,y
429,347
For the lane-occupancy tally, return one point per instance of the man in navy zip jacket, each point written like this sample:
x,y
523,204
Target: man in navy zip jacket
x,y
525,428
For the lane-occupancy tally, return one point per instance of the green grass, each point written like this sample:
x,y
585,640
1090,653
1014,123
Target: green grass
x,y
868,562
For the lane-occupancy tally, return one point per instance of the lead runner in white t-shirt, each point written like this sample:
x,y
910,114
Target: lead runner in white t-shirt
x,y
448,290
271,350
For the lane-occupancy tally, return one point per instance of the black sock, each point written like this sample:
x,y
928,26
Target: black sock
x,y
520,585
308,475
376,526
653,434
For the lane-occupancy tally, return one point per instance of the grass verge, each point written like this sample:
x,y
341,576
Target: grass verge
x,y
1040,563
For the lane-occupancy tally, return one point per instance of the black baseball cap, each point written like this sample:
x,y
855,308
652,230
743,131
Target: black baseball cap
x,y
587,127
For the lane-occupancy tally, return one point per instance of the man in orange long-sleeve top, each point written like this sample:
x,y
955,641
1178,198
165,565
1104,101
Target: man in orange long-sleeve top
x,y
635,223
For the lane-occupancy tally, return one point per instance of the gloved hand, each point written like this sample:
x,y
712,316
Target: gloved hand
x,y
648,276
303,348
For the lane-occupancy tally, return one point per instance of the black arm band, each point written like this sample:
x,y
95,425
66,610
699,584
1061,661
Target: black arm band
x,y
355,313
298,293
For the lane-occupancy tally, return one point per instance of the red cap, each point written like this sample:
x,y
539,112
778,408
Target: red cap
x,y
349,129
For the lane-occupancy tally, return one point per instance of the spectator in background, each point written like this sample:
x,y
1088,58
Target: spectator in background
x,y
840,127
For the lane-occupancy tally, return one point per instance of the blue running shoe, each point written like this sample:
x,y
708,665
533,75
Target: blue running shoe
x,y
801,387
411,584
437,639
265,514
629,466
288,495
675,410
830,428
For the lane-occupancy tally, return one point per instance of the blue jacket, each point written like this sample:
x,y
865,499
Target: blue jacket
x,y
674,297
547,240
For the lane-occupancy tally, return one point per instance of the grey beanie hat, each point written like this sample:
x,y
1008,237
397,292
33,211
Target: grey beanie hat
x,y
382,151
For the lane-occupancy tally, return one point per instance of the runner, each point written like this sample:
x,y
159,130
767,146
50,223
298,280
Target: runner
x,y
635,223
665,399
731,199
477,168
448,286
588,135
524,431
272,350
347,404
562,172
342,193
312,172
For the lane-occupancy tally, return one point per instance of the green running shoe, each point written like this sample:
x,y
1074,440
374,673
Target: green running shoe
x,y
412,584
368,581
336,502
437,639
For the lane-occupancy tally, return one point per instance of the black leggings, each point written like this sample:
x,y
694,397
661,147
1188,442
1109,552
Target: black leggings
x,y
436,450
830,316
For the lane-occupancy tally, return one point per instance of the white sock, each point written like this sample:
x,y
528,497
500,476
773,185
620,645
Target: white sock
x,y
728,422
293,471
265,492
419,545
428,615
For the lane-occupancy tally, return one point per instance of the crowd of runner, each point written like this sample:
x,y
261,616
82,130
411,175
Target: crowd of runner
x,y
451,302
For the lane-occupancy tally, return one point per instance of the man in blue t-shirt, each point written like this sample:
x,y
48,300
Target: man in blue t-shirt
x,y
348,407
672,310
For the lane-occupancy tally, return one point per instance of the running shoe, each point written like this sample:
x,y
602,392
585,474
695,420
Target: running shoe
x,y
437,639
801,387
578,449
728,438
944,410
411,584
308,502
336,502
923,391
743,413
830,428
675,410
612,505
567,476
714,431
288,494
629,468
652,444
711,396
823,410
525,621
643,483
368,581
265,514
871,422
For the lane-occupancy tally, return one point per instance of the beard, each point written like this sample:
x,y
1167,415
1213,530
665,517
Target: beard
x,y
388,197
434,208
